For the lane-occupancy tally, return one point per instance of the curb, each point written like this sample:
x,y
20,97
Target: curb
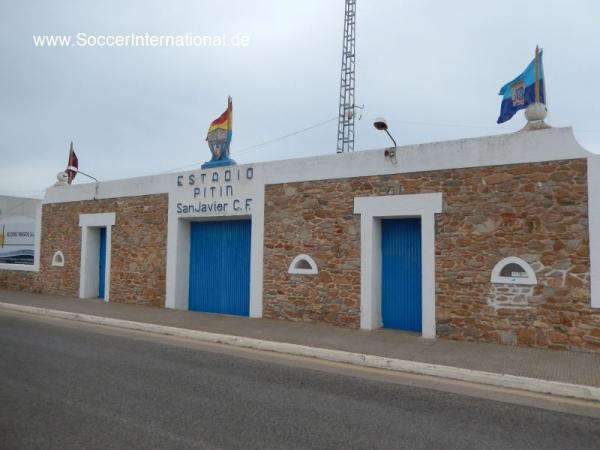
x,y
378,362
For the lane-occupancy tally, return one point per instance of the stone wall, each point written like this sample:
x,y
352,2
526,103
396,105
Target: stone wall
x,y
537,212
138,265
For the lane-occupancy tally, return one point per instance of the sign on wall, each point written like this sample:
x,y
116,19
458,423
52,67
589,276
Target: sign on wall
x,y
17,242
219,192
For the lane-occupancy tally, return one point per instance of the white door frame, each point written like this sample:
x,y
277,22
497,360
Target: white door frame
x,y
178,253
372,210
90,240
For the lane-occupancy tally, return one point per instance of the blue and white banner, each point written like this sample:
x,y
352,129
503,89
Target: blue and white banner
x,y
520,92
17,242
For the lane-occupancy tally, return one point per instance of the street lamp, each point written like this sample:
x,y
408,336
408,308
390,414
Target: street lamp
x,y
76,170
381,124
63,178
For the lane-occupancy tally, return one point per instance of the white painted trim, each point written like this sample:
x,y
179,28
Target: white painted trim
x,y
97,220
372,210
594,227
551,144
178,257
256,248
37,255
19,267
88,271
37,248
312,270
55,261
497,278
90,235
514,148
178,245
178,260
129,187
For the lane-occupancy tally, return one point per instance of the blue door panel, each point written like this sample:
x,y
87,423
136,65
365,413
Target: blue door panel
x,y
220,267
102,263
401,274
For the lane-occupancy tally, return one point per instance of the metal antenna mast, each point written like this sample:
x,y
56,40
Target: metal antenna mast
x,y
345,139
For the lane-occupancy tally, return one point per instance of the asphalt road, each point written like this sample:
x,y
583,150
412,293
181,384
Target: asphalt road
x,y
67,385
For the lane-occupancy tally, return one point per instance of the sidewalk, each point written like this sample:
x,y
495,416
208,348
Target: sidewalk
x,y
575,368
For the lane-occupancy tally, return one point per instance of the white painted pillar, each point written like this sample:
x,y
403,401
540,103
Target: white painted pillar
x,y
256,252
428,275
594,227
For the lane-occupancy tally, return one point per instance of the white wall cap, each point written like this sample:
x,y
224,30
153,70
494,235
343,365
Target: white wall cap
x,y
521,147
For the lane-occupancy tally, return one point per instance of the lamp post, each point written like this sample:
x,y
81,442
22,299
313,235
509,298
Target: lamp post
x,y
76,170
381,125
62,178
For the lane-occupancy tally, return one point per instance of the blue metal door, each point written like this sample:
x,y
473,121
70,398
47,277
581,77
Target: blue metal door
x,y
401,274
220,267
102,263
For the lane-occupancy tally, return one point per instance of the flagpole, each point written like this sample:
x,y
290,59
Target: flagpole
x,y
537,74
536,111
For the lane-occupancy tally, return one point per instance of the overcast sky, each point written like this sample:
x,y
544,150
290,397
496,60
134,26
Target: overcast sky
x,y
432,68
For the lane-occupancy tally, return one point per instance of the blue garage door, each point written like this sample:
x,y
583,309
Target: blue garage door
x,y
220,267
401,274
102,263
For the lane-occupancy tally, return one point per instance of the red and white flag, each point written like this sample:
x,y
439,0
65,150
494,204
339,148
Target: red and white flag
x,y
72,165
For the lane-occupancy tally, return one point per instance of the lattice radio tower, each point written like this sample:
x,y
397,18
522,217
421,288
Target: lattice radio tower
x,y
345,139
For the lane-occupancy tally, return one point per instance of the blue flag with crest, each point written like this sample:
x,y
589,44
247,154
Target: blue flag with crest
x,y
520,92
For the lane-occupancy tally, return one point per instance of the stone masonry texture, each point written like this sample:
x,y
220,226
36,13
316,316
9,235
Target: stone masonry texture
x,y
537,212
138,264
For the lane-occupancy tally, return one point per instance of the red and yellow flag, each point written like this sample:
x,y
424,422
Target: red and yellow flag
x,y
224,121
